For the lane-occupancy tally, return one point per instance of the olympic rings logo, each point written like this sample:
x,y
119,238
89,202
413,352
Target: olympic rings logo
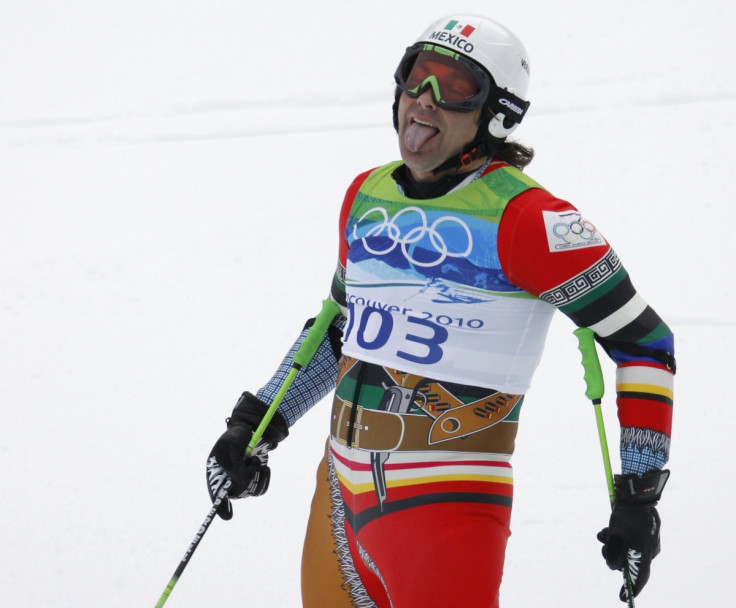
x,y
422,231
574,231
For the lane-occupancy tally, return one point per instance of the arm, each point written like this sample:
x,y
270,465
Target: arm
x,y
547,249
239,458
314,382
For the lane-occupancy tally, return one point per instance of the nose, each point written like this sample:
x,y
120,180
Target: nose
x,y
426,99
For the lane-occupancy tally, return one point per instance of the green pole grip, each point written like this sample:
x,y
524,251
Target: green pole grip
x,y
302,357
316,334
591,365
594,391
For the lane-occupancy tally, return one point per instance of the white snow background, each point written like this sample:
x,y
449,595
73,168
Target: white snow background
x,y
170,180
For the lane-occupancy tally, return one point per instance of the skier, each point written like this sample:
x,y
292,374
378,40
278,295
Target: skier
x,y
451,264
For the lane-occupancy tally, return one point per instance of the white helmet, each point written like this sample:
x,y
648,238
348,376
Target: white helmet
x,y
495,49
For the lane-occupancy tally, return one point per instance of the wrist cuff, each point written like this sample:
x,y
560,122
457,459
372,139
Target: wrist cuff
x,y
631,489
249,411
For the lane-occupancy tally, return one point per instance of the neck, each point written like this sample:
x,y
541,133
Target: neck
x,y
458,169
440,185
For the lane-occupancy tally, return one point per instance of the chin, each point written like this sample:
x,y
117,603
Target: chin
x,y
416,161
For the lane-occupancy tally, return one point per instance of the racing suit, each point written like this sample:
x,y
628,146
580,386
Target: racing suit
x,y
447,301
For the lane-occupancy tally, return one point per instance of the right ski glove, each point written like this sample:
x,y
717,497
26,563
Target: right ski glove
x,y
632,534
250,475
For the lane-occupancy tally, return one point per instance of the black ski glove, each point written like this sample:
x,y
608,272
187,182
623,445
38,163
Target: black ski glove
x,y
249,475
632,534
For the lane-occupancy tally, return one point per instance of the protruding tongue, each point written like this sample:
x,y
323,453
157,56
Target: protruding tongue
x,y
417,135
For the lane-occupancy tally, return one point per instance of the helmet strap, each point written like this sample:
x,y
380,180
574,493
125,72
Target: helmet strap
x,y
473,151
482,145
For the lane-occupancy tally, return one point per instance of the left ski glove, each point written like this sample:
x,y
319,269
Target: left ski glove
x,y
633,531
250,474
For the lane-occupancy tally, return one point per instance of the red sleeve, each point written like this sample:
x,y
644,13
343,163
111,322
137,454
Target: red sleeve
x,y
537,256
546,247
345,214
337,291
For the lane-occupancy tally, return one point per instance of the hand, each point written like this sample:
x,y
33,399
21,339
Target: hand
x,y
249,474
631,539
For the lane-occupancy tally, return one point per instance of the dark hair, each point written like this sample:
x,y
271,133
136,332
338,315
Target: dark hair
x,y
515,154
510,152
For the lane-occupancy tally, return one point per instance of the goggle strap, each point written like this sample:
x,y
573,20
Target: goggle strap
x,y
512,107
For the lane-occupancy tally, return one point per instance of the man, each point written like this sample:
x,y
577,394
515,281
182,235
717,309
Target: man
x,y
451,264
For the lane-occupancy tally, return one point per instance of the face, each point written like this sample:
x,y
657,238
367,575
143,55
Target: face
x,y
429,135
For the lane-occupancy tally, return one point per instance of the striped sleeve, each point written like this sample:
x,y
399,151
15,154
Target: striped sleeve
x,y
548,249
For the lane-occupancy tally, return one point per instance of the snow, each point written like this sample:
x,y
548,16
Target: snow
x,y
170,175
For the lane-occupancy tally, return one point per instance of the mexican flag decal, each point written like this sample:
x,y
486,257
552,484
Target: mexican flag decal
x,y
465,30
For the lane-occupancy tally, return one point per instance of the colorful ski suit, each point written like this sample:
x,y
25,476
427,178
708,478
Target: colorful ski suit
x,y
447,303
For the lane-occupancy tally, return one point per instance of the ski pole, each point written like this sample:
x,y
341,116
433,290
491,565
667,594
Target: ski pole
x,y
594,391
194,544
302,357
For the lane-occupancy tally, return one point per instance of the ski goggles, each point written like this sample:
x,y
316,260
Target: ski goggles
x,y
456,83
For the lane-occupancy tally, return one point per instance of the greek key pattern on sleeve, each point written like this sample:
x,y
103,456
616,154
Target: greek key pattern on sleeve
x,y
583,283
